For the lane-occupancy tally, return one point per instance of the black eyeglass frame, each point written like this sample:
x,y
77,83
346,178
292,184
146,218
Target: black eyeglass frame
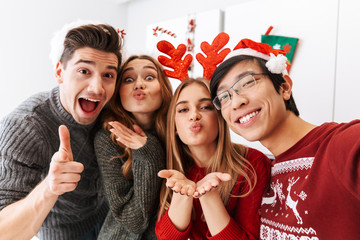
x,y
216,101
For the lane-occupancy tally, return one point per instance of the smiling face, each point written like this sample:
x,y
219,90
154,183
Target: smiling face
x,y
87,83
140,90
256,114
196,118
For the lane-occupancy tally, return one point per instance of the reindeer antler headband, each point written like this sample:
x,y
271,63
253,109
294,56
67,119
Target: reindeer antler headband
x,y
276,60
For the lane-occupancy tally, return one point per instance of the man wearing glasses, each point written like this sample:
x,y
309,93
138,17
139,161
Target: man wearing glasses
x,y
315,177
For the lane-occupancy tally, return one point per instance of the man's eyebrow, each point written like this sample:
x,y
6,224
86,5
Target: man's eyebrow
x,y
85,61
112,67
93,63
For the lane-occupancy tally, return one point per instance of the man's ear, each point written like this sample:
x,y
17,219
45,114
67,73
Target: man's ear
x,y
59,72
286,87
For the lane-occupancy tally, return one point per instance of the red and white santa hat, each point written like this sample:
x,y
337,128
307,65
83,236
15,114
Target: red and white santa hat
x,y
276,60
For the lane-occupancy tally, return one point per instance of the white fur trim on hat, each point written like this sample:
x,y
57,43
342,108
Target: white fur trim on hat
x,y
57,42
247,51
276,64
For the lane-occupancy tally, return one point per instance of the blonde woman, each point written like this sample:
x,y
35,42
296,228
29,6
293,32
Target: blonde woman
x,y
129,149
213,187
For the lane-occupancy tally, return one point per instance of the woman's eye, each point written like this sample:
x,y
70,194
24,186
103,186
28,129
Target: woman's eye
x,y
149,78
181,110
128,80
207,107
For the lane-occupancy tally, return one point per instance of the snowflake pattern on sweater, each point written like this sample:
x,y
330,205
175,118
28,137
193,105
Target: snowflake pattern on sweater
x,y
283,201
314,190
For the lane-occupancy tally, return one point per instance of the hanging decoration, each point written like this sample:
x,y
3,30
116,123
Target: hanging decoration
x,y
288,44
121,33
190,40
161,30
190,35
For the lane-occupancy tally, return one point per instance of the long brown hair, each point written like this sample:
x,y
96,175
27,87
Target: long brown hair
x,y
116,112
229,157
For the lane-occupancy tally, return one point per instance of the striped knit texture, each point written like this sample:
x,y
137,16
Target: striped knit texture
x,y
133,203
28,139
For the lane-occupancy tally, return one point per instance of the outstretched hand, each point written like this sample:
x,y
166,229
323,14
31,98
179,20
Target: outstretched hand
x,y
209,182
64,173
131,139
177,182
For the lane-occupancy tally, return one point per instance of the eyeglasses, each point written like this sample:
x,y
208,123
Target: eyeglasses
x,y
245,83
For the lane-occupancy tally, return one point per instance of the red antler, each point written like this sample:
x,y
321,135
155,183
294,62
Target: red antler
x,y
213,58
180,67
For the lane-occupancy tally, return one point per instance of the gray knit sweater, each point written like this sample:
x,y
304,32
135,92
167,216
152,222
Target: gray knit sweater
x,y
133,203
28,139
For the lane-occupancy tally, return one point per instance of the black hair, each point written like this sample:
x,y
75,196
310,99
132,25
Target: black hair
x,y
226,66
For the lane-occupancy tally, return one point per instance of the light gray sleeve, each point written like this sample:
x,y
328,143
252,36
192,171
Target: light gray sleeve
x,y
23,158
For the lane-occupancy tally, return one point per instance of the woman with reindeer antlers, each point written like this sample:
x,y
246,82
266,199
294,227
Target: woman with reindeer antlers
x,y
213,187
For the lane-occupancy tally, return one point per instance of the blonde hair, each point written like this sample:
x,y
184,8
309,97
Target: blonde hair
x,y
116,112
229,157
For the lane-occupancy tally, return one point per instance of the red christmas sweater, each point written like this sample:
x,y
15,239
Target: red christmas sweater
x,y
314,191
244,212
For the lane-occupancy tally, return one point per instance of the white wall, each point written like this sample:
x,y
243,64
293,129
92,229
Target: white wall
x,y
26,29
347,88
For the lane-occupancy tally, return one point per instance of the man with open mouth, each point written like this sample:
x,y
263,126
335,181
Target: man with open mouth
x,y
50,184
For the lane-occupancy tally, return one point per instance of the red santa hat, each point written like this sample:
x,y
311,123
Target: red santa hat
x,y
276,60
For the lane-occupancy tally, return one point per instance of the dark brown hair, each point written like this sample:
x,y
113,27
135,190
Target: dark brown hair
x,y
100,37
